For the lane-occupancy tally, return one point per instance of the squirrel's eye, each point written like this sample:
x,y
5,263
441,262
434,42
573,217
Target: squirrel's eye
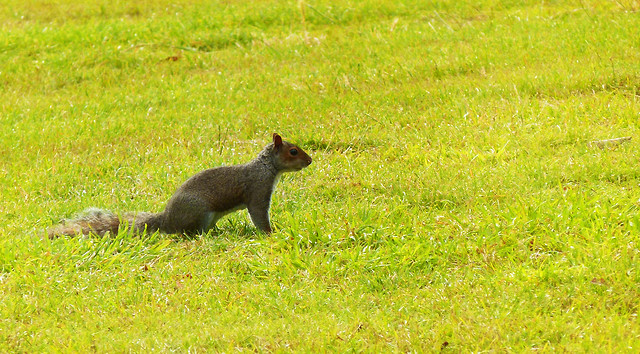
x,y
293,152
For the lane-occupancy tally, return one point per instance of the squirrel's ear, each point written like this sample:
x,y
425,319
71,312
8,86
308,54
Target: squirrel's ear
x,y
277,140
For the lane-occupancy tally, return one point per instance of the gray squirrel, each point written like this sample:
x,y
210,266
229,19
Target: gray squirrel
x,y
205,197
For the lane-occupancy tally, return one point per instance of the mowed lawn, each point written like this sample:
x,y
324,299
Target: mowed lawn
x,y
457,200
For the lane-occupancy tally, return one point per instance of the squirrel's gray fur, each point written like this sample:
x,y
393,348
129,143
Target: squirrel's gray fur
x,y
205,197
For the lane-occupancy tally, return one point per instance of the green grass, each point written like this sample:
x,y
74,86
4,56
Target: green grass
x,y
454,201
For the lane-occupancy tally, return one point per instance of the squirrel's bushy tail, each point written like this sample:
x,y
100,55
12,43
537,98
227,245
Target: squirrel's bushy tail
x,y
99,222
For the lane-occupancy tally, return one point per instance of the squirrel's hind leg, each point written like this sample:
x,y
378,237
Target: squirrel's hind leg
x,y
186,214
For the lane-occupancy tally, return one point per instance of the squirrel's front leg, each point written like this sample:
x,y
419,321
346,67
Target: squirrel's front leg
x,y
259,213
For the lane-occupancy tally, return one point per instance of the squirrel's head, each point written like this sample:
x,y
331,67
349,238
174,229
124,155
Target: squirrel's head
x,y
288,157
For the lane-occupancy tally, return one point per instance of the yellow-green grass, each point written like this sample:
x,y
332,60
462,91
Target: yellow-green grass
x,y
455,201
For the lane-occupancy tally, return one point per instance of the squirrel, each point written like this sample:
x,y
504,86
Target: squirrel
x,y
205,197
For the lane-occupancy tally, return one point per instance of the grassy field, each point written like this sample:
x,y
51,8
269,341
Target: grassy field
x,y
455,201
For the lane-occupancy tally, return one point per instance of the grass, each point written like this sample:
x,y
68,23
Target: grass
x,y
454,203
